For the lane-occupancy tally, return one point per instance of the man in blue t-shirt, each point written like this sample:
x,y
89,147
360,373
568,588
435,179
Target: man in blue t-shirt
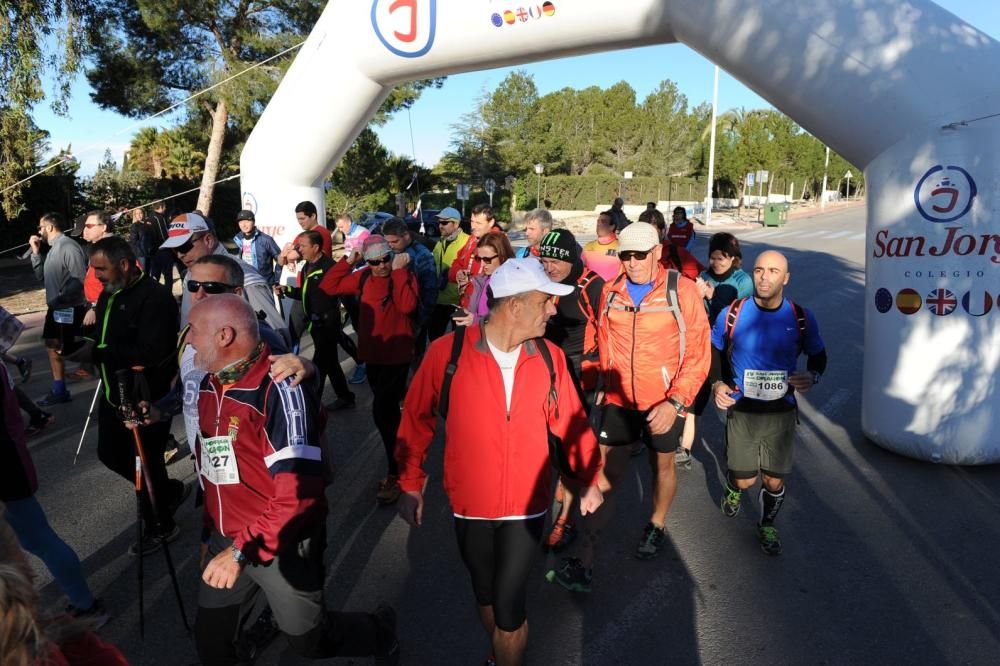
x,y
756,343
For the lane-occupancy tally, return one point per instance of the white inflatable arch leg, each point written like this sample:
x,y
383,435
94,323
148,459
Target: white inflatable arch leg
x,y
877,80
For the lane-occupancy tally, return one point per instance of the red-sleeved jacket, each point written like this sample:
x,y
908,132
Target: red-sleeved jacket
x,y
387,311
680,236
682,261
496,463
276,440
639,346
467,259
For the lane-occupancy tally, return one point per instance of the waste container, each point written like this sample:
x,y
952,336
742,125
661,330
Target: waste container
x,y
775,214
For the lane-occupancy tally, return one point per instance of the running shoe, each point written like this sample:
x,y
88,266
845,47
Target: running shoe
x,y
730,503
255,638
80,375
572,575
24,368
360,375
388,490
51,399
96,616
562,535
38,423
652,541
683,457
342,403
767,536
153,542
387,649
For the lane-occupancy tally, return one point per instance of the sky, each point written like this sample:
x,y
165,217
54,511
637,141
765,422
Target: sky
x,y
91,130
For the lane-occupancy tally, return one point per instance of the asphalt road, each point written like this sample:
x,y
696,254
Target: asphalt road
x,y
886,560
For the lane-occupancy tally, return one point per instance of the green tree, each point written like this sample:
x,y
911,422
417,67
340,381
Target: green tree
x,y
165,50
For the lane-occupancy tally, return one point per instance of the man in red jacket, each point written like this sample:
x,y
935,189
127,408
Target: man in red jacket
x,y
497,470
389,295
262,469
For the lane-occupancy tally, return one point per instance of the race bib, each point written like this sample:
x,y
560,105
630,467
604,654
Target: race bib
x,y
765,384
64,316
218,461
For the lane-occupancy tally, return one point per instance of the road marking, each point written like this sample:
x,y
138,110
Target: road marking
x,y
838,234
858,237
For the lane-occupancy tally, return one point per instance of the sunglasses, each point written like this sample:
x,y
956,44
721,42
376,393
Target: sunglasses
x,y
488,260
209,287
378,262
629,255
186,247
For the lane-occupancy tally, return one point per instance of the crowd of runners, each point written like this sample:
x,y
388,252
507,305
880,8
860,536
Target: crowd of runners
x,y
538,368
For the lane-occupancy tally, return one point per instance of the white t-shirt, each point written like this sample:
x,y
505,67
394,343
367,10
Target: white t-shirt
x,y
507,361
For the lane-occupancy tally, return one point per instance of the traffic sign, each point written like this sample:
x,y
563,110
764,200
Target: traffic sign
x,y
462,192
490,186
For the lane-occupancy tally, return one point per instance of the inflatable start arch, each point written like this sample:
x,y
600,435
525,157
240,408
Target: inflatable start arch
x,y
900,87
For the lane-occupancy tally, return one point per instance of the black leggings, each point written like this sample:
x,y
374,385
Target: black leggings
x,y
388,384
327,360
499,555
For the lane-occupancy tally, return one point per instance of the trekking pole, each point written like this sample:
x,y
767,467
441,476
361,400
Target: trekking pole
x,y
127,384
86,423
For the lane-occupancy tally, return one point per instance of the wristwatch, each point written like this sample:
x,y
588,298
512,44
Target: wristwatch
x,y
816,377
238,556
679,406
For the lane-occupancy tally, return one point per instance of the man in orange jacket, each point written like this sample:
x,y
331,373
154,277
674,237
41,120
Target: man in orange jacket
x,y
497,469
653,338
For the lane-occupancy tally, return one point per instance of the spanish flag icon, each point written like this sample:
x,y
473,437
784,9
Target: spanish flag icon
x,y
908,301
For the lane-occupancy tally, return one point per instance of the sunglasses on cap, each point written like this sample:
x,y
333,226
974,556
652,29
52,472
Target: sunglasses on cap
x,y
379,262
210,287
629,255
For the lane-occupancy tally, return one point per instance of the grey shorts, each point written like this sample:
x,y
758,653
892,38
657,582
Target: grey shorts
x,y
759,442
292,583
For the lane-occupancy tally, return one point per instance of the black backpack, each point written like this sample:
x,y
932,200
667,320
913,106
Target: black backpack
x,y
556,452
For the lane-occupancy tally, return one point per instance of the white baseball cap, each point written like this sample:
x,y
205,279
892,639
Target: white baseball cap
x,y
182,228
519,276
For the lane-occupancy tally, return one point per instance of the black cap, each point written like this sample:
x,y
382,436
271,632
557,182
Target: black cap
x,y
245,215
78,225
559,244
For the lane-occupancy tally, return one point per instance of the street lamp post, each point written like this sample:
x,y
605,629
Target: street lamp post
x,y
539,169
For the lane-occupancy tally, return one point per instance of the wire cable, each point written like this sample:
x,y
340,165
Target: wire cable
x,y
98,144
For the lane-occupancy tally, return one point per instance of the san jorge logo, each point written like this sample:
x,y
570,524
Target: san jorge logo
x,y
944,193
405,27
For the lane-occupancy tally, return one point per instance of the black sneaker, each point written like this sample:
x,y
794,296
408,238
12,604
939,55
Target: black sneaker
x,y
38,423
652,540
572,575
767,536
257,636
387,651
342,403
683,458
153,542
24,369
96,616
730,503
51,399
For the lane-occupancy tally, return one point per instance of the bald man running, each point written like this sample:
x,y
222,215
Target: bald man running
x,y
756,343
